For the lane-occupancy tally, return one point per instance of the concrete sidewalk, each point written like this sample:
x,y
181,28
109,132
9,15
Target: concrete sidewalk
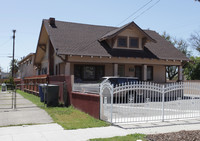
x,y
53,132
25,113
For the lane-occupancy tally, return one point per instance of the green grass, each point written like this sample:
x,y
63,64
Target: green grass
x,y
131,137
68,118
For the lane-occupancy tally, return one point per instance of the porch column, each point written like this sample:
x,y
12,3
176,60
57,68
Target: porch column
x,y
67,68
115,69
180,74
144,75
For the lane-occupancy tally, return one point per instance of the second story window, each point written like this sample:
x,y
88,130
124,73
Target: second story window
x,y
122,41
133,42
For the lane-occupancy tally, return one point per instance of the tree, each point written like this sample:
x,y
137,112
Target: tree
x,y
193,68
16,67
172,72
195,40
182,45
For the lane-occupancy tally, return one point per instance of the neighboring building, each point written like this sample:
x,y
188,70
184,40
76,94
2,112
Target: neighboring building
x,y
26,67
89,52
4,75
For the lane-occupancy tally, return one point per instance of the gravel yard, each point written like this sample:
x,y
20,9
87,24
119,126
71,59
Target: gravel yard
x,y
176,136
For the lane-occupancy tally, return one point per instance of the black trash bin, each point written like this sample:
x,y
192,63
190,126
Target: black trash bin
x,y
51,96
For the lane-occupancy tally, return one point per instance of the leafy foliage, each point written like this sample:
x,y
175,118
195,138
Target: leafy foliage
x,y
9,81
192,69
195,40
182,45
16,67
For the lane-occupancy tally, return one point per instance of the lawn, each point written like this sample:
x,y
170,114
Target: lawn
x,y
68,118
131,137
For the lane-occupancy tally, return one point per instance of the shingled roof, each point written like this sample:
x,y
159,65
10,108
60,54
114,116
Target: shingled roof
x,y
83,39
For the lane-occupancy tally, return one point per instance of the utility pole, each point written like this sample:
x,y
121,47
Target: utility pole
x,y
13,57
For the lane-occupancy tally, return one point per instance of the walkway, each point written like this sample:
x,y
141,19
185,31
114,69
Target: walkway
x,y
26,112
54,132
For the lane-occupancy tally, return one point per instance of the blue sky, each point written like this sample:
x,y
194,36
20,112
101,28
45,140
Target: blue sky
x,y
176,17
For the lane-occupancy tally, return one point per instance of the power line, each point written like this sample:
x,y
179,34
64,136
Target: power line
x,y
5,43
135,12
147,9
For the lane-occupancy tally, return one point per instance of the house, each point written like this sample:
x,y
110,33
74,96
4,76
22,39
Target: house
x,y
4,75
90,52
26,67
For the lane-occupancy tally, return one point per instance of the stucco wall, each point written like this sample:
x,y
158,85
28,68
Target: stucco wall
x,y
128,72
57,61
27,69
44,62
159,74
108,69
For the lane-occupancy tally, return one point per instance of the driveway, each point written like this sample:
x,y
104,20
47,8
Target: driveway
x,y
25,113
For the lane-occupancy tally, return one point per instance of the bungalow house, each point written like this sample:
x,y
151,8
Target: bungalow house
x,y
90,52
26,67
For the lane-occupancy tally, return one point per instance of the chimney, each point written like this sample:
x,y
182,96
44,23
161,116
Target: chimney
x,y
52,22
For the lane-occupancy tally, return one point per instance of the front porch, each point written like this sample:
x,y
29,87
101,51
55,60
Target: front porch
x,y
92,69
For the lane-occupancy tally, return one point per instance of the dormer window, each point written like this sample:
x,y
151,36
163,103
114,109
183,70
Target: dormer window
x,y
122,41
133,42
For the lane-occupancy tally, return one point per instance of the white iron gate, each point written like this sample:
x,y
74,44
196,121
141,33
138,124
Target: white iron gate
x,y
147,101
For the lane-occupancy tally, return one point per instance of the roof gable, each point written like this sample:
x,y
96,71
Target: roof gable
x,y
115,32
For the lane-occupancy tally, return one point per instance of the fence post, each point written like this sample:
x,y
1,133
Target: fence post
x,y
163,101
111,103
15,100
101,108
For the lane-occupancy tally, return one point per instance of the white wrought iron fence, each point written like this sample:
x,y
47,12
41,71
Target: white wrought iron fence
x,y
86,88
147,101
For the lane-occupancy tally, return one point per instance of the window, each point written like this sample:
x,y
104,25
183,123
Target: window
x,y
57,69
122,42
138,72
30,61
44,70
121,70
149,73
88,72
133,42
